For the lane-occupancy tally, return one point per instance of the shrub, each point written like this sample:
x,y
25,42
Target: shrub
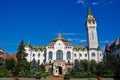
x,y
67,76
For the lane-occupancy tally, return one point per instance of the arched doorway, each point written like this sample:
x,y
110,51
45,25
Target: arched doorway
x,y
59,55
60,70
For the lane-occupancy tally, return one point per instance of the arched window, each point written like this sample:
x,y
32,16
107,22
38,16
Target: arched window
x,y
39,55
75,55
59,55
68,55
93,54
50,55
80,55
33,55
85,55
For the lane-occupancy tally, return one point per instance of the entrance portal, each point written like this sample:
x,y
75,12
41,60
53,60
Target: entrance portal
x,y
60,70
58,67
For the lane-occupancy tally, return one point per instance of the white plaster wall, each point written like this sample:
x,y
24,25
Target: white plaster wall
x,y
36,57
98,55
59,45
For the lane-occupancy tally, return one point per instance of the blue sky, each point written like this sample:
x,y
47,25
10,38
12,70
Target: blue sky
x,y
39,21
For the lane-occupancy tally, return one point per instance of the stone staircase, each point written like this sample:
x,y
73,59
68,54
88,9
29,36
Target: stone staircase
x,y
55,77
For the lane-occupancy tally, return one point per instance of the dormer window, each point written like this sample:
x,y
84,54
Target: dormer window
x,y
93,22
59,44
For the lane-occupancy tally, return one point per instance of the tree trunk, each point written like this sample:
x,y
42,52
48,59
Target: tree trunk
x,y
99,78
14,77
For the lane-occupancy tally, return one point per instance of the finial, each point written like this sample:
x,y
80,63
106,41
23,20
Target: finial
x,y
59,34
28,44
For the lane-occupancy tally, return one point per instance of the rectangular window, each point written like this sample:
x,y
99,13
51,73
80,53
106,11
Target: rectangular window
x,y
92,35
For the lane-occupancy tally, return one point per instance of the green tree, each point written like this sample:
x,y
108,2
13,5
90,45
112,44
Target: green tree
x,y
93,65
101,68
42,67
12,66
85,64
21,57
1,61
78,69
34,66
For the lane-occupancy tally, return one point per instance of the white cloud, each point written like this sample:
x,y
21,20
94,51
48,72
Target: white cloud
x,y
80,2
70,39
82,41
68,34
105,41
84,3
77,40
95,3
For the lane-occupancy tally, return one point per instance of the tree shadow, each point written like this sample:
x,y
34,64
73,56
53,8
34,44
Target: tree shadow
x,y
116,78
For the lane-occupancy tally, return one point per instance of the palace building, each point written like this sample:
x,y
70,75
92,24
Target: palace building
x,y
59,55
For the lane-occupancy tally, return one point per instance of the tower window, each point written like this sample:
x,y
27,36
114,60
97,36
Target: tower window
x,y
59,44
92,35
93,22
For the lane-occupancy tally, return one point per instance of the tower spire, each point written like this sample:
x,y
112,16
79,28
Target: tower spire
x,y
89,11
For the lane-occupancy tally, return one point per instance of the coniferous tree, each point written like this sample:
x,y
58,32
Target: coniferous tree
x,y
33,66
78,69
21,57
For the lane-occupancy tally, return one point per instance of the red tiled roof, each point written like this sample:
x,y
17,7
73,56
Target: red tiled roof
x,y
6,56
107,48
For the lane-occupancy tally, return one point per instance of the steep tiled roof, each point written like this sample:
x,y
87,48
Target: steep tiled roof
x,y
77,48
41,48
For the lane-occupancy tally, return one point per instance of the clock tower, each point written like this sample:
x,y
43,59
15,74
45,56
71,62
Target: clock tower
x,y
91,27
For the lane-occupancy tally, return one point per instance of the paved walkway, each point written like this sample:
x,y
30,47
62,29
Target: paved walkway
x,y
57,79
